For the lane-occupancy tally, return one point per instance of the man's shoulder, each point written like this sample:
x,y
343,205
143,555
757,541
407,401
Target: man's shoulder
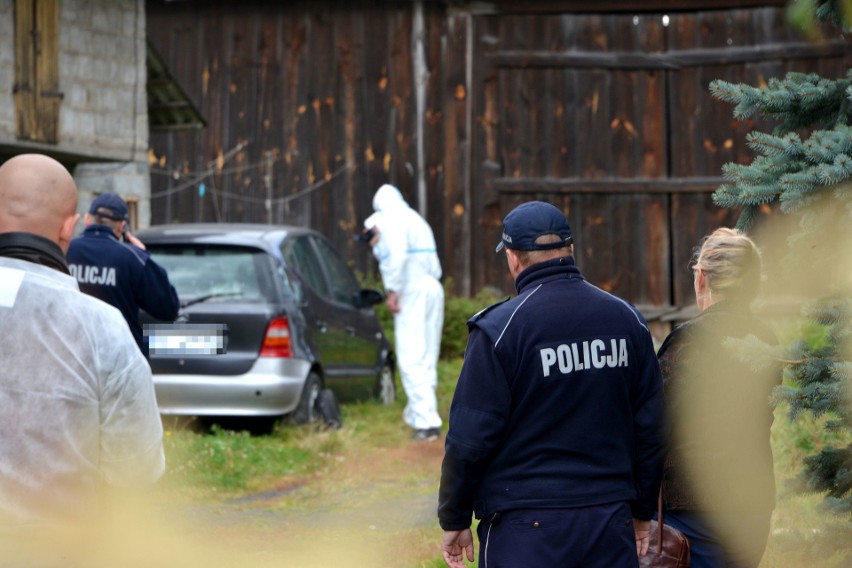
x,y
71,301
492,312
616,305
96,310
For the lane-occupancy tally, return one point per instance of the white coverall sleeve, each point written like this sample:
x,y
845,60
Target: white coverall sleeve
x,y
392,251
131,442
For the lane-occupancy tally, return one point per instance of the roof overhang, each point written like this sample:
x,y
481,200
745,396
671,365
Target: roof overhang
x,y
169,107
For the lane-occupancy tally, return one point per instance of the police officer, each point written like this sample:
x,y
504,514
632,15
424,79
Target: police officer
x,y
120,273
555,434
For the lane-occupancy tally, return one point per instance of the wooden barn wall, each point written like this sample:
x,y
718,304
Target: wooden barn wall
x,y
610,118
312,106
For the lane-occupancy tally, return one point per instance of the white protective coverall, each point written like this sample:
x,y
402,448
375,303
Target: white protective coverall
x,y
77,401
408,262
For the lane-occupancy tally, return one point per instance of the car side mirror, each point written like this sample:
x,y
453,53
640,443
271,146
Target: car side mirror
x,y
368,297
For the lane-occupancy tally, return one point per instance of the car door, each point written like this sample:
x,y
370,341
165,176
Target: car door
x,y
362,329
325,320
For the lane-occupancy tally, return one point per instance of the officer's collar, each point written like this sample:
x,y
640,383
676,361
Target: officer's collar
x,y
33,248
563,266
100,230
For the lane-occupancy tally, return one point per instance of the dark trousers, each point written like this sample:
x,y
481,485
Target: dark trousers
x,y
713,537
586,537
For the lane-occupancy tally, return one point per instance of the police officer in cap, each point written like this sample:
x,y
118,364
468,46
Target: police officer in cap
x,y
555,435
120,273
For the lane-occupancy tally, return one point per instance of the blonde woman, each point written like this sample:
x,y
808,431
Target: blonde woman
x,y
718,484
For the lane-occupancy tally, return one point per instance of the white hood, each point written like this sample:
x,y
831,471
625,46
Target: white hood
x,y
388,198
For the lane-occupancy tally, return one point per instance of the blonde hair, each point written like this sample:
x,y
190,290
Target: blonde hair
x,y
731,263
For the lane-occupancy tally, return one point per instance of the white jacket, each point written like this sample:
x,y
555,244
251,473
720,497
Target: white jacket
x,y
406,249
77,402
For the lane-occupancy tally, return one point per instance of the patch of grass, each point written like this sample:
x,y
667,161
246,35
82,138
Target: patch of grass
x,y
223,463
227,462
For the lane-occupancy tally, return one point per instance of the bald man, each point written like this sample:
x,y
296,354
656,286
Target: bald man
x,y
76,398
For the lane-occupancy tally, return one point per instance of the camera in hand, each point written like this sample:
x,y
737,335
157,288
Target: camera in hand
x,y
366,236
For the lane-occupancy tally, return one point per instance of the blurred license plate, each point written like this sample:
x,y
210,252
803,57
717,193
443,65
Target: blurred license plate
x,y
186,338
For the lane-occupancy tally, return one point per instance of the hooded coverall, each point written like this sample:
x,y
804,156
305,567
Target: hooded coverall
x,y
408,262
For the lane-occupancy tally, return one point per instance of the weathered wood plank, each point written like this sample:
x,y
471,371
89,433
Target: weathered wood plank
x,y
672,59
606,6
605,114
455,231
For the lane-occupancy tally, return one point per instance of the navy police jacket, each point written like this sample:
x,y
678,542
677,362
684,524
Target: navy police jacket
x,y
122,275
558,405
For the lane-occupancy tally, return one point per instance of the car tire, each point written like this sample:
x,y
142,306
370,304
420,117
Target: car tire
x,y
307,410
329,409
386,384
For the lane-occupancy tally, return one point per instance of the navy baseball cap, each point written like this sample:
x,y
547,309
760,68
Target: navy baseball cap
x,y
109,206
529,221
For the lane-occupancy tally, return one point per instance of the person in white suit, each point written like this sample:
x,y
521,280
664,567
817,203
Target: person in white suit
x,y
405,248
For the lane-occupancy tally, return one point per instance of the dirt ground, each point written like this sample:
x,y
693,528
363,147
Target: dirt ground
x,y
374,509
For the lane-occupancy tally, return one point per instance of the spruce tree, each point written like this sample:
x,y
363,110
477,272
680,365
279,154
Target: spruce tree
x,y
804,164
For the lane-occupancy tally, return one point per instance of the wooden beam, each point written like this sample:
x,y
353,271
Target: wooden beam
x,y
674,59
602,6
523,186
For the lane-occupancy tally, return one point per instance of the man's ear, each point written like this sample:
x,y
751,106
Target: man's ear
x,y
66,231
513,262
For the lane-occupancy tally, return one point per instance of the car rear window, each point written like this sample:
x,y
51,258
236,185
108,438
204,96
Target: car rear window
x,y
216,273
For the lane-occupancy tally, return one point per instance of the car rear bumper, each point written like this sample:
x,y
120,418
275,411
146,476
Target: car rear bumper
x,y
272,387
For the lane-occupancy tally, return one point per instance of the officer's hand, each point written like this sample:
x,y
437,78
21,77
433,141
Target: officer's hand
x,y
643,536
133,240
454,545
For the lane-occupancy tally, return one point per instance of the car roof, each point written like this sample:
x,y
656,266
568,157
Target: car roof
x,y
242,234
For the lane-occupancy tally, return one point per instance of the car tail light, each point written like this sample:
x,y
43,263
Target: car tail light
x,y
276,343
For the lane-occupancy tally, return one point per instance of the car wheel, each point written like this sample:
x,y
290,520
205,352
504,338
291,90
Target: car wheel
x,y
329,409
386,385
307,412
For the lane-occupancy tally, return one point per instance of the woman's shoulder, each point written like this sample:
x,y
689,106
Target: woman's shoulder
x,y
680,334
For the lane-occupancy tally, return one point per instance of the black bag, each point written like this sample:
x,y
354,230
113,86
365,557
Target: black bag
x,y
669,548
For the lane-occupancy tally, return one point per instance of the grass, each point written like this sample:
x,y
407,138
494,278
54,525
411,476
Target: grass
x,y
223,464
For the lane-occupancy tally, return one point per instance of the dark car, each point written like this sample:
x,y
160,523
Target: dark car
x,y
270,317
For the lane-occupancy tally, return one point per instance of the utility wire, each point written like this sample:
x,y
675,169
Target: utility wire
x,y
211,169
302,193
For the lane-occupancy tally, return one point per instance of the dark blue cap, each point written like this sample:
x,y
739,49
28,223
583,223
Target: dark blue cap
x,y
529,221
110,206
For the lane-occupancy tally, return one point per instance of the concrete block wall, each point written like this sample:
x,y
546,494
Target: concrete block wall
x,y
7,70
103,117
102,73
